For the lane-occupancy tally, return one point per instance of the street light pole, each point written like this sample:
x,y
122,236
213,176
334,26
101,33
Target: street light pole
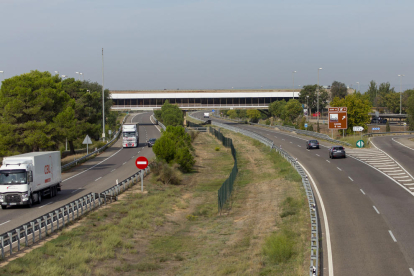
x,y
78,74
307,105
293,83
81,74
400,90
103,100
358,86
317,92
2,74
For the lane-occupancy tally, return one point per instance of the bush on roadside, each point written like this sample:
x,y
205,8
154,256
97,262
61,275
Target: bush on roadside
x,y
388,128
310,127
267,122
193,134
279,247
167,174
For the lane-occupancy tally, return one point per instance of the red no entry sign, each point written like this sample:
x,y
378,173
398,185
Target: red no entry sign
x,y
141,162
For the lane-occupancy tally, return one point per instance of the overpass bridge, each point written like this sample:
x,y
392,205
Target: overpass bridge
x,y
198,99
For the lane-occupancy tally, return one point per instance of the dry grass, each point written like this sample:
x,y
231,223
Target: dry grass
x,y
176,230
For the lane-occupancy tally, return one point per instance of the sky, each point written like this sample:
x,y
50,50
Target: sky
x,y
211,44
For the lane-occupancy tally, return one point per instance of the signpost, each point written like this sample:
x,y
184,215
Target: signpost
x,y
306,126
338,118
87,141
358,128
141,163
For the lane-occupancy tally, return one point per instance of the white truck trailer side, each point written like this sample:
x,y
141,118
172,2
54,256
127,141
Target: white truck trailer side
x,y
130,135
27,178
206,115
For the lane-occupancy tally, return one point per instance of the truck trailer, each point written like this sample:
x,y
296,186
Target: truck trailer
x,y
27,178
130,135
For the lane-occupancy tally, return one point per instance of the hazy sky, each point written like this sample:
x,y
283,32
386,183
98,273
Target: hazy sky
x,y
207,44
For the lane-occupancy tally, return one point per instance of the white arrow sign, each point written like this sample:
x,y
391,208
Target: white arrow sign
x,y
358,128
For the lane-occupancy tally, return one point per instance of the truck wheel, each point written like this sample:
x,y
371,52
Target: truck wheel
x,y
3,207
30,203
39,197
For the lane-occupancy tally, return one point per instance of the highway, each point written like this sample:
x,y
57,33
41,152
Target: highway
x,y
95,175
370,215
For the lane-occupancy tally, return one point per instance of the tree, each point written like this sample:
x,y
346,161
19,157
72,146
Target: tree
x,y
254,115
392,102
277,108
410,112
232,114
293,109
358,109
28,105
372,93
310,90
171,115
383,90
338,89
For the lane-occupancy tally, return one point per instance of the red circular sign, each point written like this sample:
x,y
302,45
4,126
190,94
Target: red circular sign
x,y
141,162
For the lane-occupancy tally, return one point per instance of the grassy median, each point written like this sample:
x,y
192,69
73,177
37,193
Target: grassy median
x,y
176,230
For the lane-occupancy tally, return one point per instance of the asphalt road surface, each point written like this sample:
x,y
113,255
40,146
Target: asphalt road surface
x,y
370,215
95,175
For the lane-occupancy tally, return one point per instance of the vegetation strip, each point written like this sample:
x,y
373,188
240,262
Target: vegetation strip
x,y
174,229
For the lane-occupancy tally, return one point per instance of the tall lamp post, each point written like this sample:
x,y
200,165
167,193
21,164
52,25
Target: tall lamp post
x,y
317,94
358,86
400,90
81,74
307,105
293,83
2,74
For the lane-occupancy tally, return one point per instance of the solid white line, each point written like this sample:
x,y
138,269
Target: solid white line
x,y
325,218
124,163
328,161
412,271
4,222
401,176
135,116
362,191
113,170
75,190
401,144
396,173
392,236
98,178
376,210
339,168
403,180
45,205
350,178
92,166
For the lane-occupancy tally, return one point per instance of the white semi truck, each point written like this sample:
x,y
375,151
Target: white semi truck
x,y
206,115
130,135
27,178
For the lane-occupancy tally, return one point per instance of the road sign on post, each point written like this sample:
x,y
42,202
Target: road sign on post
x,y
358,128
141,162
87,141
338,118
360,143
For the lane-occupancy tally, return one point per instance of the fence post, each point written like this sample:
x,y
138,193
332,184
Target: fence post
x,y
10,242
63,216
45,218
26,242
33,230
67,211
18,239
2,247
39,223
51,218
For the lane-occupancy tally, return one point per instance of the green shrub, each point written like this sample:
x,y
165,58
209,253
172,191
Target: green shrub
x,y
267,122
310,127
217,149
279,247
388,128
185,159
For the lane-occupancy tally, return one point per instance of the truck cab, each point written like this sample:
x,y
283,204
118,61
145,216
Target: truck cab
x,y
15,180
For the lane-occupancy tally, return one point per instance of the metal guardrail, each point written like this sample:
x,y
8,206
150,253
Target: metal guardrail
x,y
314,258
83,158
158,122
39,228
384,133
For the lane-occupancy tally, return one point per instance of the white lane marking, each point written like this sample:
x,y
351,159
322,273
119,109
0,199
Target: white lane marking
x,y
299,146
402,144
113,170
45,205
404,180
283,139
392,236
376,210
92,166
339,168
307,150
4,222
401,176
98,178
275,136
328,161
325,218
396,173
362,191
409,184
317,155
136,116
291,142
75,190
124,163
412,271
350,178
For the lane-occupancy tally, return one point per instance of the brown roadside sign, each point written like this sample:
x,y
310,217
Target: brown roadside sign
x,y
337,118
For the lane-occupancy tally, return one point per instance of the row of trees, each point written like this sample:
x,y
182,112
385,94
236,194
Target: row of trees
x,y
40,111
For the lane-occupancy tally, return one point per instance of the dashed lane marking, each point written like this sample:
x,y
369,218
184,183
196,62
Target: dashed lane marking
x,y
45,205
392,236
350,178
362,191
98,178
4,222
376,210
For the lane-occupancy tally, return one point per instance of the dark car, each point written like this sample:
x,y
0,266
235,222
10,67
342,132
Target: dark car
x,y
312,144
151,142
337,151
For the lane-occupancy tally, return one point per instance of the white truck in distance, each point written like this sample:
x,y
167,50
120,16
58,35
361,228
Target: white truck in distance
x,y
130,135
207,115
27,178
